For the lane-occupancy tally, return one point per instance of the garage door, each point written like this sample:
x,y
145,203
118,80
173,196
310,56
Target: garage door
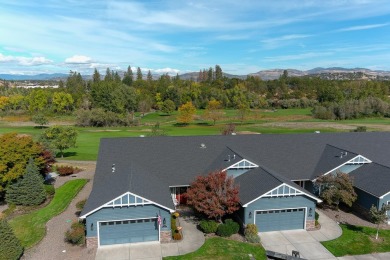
x,y
284,219
128,231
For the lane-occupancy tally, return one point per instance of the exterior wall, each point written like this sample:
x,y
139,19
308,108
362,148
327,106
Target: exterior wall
x,y
348,168
300,201
385,200
365,199
131,212
92,242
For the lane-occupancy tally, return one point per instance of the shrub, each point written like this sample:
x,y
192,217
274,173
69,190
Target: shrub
x,y
50,190
76,234
229,228
177,236
251,233
65,170
80,205
10,247
208,226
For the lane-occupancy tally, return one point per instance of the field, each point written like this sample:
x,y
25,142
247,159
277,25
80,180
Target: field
x,y
258,121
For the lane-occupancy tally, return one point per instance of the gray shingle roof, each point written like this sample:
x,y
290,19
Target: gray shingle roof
x,y
372,178
148,166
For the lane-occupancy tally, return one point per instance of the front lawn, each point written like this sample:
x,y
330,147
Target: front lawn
x,y
220,248
31,228
357,240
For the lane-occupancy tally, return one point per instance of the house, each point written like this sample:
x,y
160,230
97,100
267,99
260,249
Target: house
x,y
139,181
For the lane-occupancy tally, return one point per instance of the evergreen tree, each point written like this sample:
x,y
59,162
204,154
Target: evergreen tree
x,y
128,77
10,247
28,191
139,74
149,76
96,76
108,76
117,78
218,72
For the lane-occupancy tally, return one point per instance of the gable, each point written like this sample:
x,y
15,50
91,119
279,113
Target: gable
x,y
126,200
284,190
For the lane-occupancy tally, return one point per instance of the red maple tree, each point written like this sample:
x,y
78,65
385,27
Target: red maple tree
x,y
214,195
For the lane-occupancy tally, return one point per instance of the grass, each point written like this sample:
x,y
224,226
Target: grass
x,y
258,122
357,240
31,228
220,248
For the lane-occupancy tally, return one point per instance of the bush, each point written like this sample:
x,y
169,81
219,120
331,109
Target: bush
x,y
251,234
66,170
80,205
97,117
76,234
229,228
177,236
10,247
208,226
50,190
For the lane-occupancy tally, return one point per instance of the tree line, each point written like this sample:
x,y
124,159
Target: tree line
x,y
113,98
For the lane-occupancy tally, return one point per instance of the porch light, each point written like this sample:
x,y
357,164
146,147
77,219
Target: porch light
x,y
310,212
91,226
164,222
250,214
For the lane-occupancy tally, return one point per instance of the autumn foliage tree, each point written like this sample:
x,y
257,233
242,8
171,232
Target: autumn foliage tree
x,y
213,111
15,152
336,188
186,113
215,195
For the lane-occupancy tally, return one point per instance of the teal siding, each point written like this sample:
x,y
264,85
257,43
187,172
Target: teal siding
x,y
385,200
286,219
126,213
300,201
365,199
349,167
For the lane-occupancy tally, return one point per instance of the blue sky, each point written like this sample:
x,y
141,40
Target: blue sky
x,y
179,36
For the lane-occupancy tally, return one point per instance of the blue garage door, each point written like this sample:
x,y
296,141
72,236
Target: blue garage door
x,y
128,231
285,219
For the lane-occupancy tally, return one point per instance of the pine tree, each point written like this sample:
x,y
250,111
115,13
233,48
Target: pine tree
x,y
96,76
150,76
128,77
10,247
139,73
29,190
218,72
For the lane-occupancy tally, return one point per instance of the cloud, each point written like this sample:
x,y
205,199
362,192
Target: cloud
x,y
78,59
170,71
24,61
363,27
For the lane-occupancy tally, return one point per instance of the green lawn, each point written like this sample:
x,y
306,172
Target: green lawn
x,y
220,248
89,137
357,240
31,228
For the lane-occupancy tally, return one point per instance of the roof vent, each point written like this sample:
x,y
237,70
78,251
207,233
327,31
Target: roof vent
x,y
113,167
229,158
343,154
202,145
234,156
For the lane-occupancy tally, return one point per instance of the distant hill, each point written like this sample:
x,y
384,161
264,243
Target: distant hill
x,y
54,76
334,73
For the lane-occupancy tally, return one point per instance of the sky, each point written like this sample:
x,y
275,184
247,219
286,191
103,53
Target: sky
x,y
246,36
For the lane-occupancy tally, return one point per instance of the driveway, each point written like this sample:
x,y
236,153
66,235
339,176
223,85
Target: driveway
x,y
193,239
306,242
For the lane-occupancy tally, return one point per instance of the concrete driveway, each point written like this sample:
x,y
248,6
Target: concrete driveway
x,y
298,240
192,240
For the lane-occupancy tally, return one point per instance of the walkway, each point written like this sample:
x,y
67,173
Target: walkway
x,y
192,240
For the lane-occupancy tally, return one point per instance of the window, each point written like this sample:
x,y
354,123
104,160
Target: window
x,y
118,222
147,220
125,222
103,223
111,223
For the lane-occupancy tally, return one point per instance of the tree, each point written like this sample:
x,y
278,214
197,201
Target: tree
x,y
139,74
128,77
96,76
60,137
168,106
243,112
218,72
40,119
215,195
62,102
10,246
144,106
229,129
379,216
213,110
28,191
336,188
15,152
186,113
37,100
